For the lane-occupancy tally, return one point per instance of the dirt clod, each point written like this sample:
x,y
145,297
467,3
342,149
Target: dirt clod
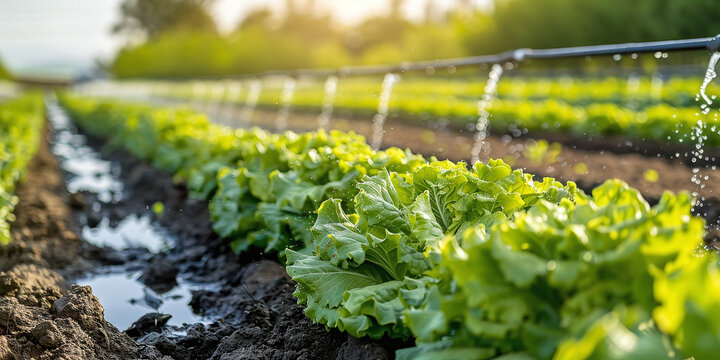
x,y
77,201
47,334
160,275
148,323
80,305
62,332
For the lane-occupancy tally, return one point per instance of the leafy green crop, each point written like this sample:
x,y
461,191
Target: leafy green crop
x,y
21,122
264,189
366,266
472,263
664,112
564,281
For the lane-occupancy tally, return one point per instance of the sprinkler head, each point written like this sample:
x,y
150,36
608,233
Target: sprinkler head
x,y
519,54
714,44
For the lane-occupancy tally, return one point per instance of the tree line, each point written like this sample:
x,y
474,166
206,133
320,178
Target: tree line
x,y
180,38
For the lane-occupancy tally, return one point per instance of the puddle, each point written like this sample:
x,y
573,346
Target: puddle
x,y
131,232
125,300
87,171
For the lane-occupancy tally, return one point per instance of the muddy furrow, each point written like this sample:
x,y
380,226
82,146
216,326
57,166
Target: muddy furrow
x,y
42,316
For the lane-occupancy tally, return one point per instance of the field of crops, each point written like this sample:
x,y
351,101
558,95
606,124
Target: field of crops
x,y
20,126
636,107
472,262
359,180
262,219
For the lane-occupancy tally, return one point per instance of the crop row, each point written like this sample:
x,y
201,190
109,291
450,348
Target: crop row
x,y
473,262
583,107
637,92
21,122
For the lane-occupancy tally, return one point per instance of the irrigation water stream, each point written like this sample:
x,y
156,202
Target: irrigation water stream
x,y
251,100
234,89
656,87
382,111
286,103
698,133
331,85
483,113
218,92
632,91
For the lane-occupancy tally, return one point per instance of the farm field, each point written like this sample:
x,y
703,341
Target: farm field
x,y
223,208
209,179
639,108
282,220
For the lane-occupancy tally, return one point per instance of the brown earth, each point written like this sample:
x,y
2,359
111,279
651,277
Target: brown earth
x,y
42,316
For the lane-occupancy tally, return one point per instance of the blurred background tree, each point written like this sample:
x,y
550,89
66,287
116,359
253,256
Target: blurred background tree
x,y
4,74
151,18
180,38
556,23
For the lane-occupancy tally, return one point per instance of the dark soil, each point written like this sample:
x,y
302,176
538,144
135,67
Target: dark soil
x,y
42,316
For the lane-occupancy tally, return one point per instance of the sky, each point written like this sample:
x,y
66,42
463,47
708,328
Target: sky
x,y
67,36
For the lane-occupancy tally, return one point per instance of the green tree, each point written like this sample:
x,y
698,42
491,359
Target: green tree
x,y
153,17
260,18
379,31
556,23
4,74
301,21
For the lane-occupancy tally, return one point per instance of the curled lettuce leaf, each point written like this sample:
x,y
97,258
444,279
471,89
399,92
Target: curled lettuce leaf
x,y
566,280
398,224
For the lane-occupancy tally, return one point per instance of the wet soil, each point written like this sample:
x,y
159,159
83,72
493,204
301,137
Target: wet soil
x,y
42,315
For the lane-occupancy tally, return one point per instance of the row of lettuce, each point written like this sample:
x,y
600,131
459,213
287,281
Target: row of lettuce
x,y
472,263
634,91
582,107
21,122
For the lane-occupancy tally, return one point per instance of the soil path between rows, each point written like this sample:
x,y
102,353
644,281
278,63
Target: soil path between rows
x,y
42,315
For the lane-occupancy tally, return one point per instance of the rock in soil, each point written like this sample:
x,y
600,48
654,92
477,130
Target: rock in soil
x,y
77,201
